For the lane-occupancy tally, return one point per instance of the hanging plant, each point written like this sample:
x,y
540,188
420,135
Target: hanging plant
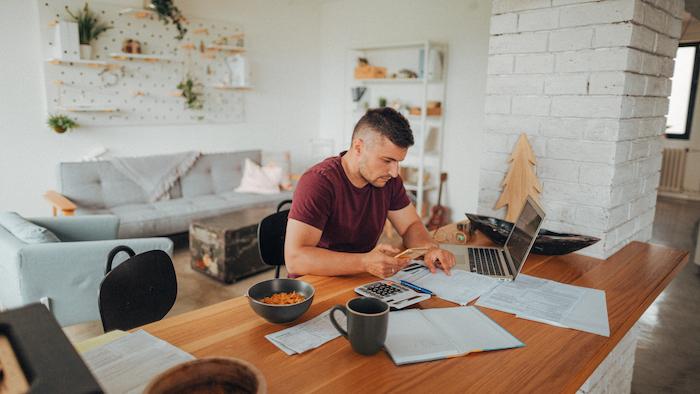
x,y
61,123
89,25
190,91
168,12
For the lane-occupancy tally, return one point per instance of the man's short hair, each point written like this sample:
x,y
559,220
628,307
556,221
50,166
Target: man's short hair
x,y
387,122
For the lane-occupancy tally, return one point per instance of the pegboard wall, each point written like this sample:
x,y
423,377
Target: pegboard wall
x,y
138,91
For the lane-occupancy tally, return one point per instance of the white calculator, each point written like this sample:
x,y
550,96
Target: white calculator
x,y
395,294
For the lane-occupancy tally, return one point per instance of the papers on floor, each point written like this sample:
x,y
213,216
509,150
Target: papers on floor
x,y
552,303
417,335
308,335
127,364
461,287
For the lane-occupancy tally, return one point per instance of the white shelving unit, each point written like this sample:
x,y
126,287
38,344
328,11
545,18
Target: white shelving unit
x,y
425,157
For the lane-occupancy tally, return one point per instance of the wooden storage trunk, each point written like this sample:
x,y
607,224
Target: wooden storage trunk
x,y
226,247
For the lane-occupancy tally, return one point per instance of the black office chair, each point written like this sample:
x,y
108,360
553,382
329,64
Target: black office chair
x,y
271,232
139,291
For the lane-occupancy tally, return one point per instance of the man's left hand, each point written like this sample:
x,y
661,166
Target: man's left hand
x,y
439,258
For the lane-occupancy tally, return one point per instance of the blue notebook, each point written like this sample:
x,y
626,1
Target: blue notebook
x,y
418,335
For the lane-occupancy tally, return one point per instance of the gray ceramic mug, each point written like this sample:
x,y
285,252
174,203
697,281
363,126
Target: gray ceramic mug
x,y
368,319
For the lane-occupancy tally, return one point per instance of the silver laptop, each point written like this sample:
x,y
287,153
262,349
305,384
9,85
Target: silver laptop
x,y
505,263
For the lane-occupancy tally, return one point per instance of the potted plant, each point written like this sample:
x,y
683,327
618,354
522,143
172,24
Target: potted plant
x,y
61,123
168,12
89,28
190,91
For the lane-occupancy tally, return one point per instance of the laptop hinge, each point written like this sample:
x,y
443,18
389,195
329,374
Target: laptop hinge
x,y
509,263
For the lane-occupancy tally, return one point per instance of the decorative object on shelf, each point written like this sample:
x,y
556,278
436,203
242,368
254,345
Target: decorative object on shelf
x,y
433,108
357,93
405,73
131,46
89,28
520,181
66,42
61,123
382,102
191,92
239,70
435,65
364,70
547,242
439,213
233,40
168,12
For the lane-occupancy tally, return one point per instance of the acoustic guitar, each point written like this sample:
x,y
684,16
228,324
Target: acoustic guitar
x,y
438,214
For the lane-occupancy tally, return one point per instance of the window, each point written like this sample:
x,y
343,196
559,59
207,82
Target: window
x,y
683,88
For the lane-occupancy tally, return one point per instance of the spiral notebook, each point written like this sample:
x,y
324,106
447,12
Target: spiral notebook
x,y
418,335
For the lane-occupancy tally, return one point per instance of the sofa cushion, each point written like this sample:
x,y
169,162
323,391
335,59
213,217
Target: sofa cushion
x,y
97,185
174,216
260,180
215,173
25,230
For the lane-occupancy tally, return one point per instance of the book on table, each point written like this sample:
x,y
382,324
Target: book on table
x,y
418,335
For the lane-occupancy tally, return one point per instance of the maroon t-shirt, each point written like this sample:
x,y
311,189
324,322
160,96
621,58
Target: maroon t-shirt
x,y
350,218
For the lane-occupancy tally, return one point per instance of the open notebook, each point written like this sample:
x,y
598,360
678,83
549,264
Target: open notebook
x,y
418,335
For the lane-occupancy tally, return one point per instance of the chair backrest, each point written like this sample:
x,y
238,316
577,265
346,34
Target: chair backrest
x,y
271,233
139,291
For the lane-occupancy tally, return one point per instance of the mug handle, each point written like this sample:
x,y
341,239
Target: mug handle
x,y
335,323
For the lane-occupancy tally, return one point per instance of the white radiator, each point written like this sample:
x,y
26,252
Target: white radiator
x,y
673,170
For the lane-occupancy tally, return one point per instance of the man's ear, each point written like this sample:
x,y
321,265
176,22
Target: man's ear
x,y
357,145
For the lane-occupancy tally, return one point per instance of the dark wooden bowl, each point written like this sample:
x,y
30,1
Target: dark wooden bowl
x,y
547,242
209,375
280,313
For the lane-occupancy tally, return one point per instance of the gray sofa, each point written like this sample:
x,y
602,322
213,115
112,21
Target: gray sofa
x,y
205,190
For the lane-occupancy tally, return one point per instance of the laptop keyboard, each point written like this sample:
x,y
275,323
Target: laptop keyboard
x,y
485,261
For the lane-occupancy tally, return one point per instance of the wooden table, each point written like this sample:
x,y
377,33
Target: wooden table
x,y
553,360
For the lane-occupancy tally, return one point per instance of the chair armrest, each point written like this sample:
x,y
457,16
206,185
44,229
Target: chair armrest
x,y
59,201
81,228
70,273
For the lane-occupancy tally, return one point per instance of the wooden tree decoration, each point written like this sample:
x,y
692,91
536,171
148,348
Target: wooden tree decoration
x,y
520,181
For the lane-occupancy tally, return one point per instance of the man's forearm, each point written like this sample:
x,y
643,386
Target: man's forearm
x,y
416,236
310,260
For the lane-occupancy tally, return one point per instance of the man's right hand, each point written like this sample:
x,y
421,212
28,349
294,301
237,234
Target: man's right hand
x,y
380,261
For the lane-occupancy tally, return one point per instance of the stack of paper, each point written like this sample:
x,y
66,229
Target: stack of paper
x,y
308,335
461,287
127,364
552,303
417,335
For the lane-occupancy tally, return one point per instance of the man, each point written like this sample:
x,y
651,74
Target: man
x,y
340,207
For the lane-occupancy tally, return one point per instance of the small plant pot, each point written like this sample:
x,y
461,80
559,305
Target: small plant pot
x,y
86,52
60,130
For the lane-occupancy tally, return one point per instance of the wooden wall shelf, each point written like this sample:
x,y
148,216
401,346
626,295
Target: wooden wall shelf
x,y
142,57
81,62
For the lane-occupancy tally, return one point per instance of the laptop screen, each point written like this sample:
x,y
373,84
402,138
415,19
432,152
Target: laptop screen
x,y
524,233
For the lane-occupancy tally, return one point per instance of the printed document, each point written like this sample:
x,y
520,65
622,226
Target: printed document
x,y
552,303
308,335
127,364
461,287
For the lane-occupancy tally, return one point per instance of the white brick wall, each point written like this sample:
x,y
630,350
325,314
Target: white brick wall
x,y
588,82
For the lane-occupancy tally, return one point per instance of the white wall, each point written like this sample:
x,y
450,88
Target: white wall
x,y
463,25
281,113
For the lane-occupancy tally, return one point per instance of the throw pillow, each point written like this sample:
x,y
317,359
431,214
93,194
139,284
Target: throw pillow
x,y
280,159
25,230
258,179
